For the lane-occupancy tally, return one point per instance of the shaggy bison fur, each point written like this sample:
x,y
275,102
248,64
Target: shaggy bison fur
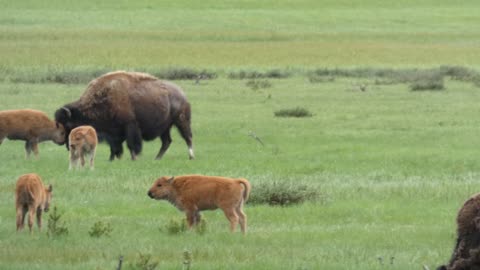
x,y
31,126
466,253
83,142
194,193
130,106
32,197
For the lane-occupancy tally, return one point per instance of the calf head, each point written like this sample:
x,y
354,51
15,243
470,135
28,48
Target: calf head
x,y
161,189
48,198
76,139
59,134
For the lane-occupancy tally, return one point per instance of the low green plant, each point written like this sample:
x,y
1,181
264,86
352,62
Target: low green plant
x,y
432,82
176,226
282,193
187,260
55,227
253,74
256,84
177,73
294,112
100,229
144,262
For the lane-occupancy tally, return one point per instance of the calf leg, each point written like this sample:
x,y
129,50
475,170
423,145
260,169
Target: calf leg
x,y
35,148
232,217
92,158
242,218
28,149
134,140
31,217
166,141
39,218
21,211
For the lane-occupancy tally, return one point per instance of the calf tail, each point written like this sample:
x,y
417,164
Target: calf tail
x,y
248,188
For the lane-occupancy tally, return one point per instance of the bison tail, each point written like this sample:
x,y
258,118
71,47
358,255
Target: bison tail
x,y
248,188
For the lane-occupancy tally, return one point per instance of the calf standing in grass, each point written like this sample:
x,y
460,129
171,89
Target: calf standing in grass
x,y
31,126
32,197
194,193
83,142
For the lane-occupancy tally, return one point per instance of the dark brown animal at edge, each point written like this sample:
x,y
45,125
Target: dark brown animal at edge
x,y
466,253
33,198
195,193
130,106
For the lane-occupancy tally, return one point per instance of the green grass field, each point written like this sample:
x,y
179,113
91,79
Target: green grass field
x,y
392,166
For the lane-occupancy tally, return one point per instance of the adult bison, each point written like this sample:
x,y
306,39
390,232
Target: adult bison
x,y
130,106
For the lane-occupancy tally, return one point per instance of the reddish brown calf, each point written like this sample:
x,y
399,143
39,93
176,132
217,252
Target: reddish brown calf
x,y
194,193
32,197
82,142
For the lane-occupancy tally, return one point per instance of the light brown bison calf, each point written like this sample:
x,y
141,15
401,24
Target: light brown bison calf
x,y
82,142
194,193
466,253
31,126
32,197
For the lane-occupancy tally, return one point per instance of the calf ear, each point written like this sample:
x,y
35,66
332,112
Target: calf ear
x,y
170,180
50,188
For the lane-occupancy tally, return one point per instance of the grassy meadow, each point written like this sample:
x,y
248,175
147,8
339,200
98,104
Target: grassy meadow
x,y
390,166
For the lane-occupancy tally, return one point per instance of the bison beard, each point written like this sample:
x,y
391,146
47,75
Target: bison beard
x,y
130,106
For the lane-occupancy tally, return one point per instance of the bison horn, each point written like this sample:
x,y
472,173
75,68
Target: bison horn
x,y
67,110
170,180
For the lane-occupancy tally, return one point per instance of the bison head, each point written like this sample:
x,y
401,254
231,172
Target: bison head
x,y
161,189
48,199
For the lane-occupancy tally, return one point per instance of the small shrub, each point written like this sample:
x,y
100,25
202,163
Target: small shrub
x,y
187,259
184,74
282,193
55,228
257,84
319,79
432,82
176,226
99,228
144,262
295,112
273,74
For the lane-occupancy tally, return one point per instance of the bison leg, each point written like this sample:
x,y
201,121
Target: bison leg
x,y
134,140
190,218
39,218
232,217
166,141
183,125
116,148
21,212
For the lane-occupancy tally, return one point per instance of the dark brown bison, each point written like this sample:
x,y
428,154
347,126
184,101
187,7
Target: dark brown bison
x,y
194,193
32,126
32,197
130,106
466,253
